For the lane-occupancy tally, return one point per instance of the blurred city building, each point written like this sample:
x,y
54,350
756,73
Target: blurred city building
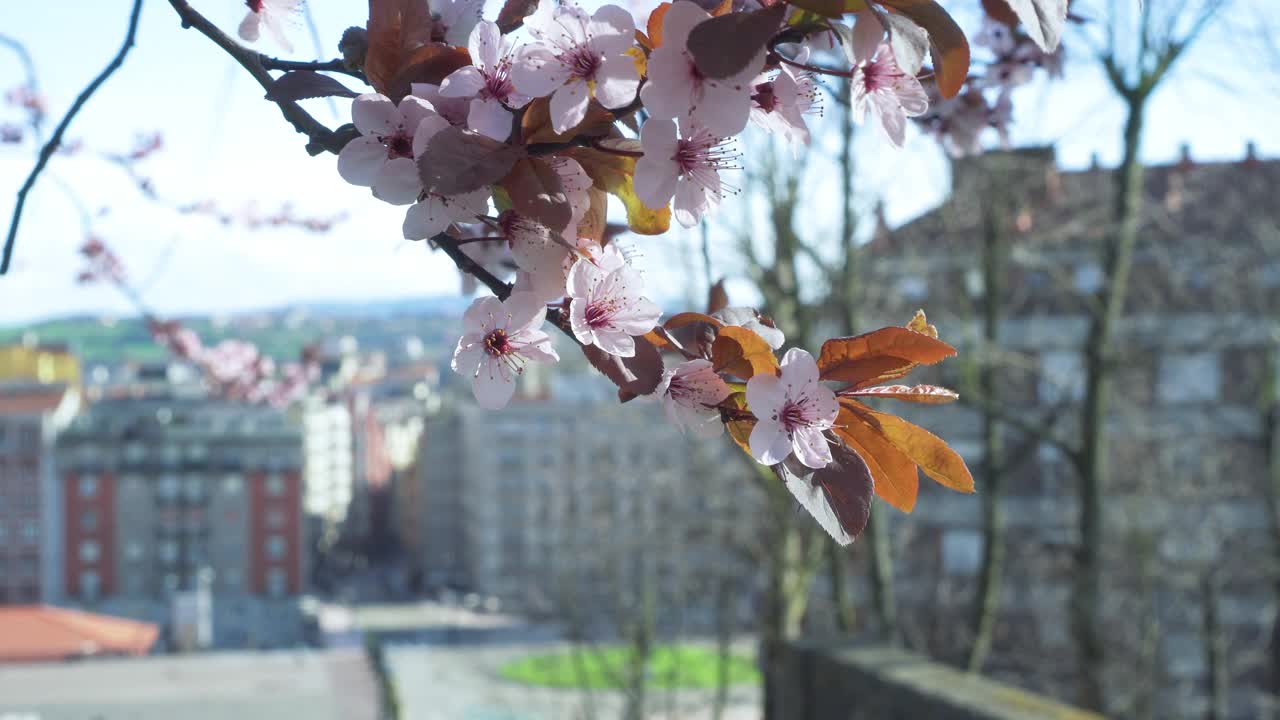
x,y
161,493
1188,442
31,415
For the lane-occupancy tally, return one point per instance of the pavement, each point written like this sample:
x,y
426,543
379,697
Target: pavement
x,y
444,663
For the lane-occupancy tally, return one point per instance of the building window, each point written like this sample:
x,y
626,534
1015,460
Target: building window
x,y
88,486
135,452
232,578
275,547
1061,376
232,485
1188,377
277,582
30,533
4,533
168,550
90,585
1087,278
90,551
275,485
88,521
167,488
195,489
133,551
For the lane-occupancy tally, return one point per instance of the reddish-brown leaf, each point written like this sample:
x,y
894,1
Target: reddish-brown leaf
x,y
638,375
838,495
1000,11
727,45
536,192
535,125
896,479
947,42
457,161
739,351
925,449
396,28
654,25
430,64
927,394
717,298
513,13
304,84
679,320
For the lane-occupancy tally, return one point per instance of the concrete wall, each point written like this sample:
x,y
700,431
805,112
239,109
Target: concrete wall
x,y
841,681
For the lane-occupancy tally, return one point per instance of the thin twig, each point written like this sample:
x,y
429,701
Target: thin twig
x,y
55,140
322,138
333,66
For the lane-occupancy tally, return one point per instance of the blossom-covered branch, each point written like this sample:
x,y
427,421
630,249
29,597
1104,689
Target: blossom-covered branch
x,y
504,140
55,140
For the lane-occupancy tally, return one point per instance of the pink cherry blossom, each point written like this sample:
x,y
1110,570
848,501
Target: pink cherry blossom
x,y
487,83
792,413
499,338
453,20
779,105
890,94
450,108
689,393
677,89
687,168
606,304
274,15
574,54
543,256
383,155
433,213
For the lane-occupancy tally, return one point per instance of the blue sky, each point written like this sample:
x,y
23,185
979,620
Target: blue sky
x,y
224,142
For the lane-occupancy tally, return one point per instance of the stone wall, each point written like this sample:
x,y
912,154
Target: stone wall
x,y
845,681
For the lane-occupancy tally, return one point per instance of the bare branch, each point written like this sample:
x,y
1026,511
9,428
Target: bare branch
x,y
322,138
55,140
334,66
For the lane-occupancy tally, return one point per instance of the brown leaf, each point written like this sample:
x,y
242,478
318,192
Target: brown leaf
x,y
880,355
654,24
457,161
831,8
513,13
1000,11
639,375
679,320
838,495
717,298
739,351
896,479
536,192
304,84
430,64
947,42
739,422
726,45
535,125
927,394
925,449
397,28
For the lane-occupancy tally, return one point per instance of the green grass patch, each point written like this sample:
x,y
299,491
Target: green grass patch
x,y
670,667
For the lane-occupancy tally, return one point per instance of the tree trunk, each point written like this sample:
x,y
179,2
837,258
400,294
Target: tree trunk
x,y
1086,601
791,568
990,574
1270,409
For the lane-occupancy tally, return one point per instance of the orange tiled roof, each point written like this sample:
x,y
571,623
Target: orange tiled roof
x,y
40,632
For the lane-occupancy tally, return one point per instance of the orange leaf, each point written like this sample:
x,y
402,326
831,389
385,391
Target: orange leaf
x,y
739,351
658,338
724,8
927,394
925,449
880,355
896,480
654,26
741,427
397,28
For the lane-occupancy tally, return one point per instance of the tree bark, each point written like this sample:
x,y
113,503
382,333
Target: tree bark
x,y
1086,601
990,574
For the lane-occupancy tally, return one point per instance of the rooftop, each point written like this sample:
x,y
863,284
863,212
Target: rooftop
x,y
30,399
40,632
